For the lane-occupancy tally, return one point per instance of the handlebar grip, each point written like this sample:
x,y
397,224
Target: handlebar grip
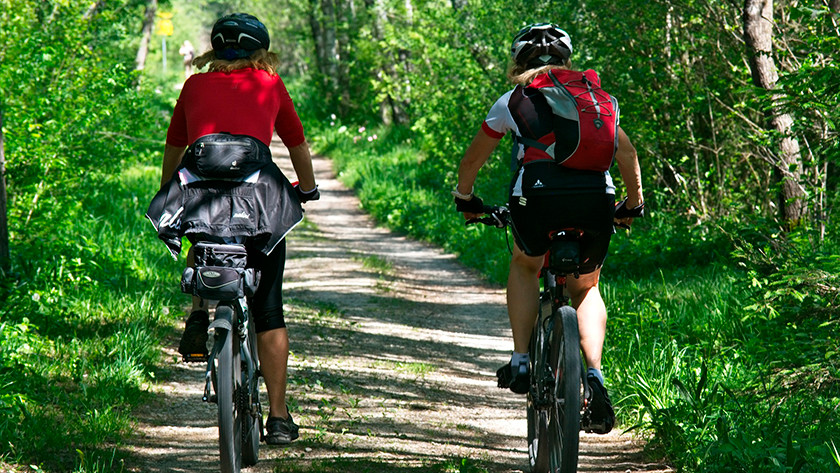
x,y
493,216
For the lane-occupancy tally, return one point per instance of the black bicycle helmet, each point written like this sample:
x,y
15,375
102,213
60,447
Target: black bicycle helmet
x,y
238,35
541,44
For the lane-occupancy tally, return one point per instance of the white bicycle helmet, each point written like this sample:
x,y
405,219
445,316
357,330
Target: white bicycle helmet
x,y
541,44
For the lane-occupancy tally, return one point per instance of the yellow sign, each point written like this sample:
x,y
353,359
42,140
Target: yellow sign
x,y
164,25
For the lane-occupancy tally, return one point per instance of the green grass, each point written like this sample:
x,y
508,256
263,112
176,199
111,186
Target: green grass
x,y
417,369
83,317
377,264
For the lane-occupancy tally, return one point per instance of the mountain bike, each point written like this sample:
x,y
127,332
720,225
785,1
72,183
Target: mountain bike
x,y
555,400
232,379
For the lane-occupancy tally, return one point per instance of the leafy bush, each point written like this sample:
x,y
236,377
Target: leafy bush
x,y
81,314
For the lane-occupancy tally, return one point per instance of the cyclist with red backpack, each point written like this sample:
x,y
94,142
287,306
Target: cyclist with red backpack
x,y
566,134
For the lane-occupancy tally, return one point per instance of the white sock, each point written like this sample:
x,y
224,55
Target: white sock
x,y
519,362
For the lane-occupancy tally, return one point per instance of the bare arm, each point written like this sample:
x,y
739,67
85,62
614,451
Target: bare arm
x,y
474,158
172,156
479,151
631,173
628,166
302,162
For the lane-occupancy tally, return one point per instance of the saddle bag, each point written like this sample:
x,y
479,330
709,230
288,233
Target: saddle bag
x,y
564,257
220,273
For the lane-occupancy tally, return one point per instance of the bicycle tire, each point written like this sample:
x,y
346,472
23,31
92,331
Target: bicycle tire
x,y
537,416
564,414
229,382
252,412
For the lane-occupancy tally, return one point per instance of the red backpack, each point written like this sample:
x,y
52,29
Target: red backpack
x,y
565,116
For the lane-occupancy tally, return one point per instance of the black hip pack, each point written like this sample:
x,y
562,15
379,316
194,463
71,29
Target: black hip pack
x,y
226,156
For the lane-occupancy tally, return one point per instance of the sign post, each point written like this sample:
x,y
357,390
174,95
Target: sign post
x,y
164,28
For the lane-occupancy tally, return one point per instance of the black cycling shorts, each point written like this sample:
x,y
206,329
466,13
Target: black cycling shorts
x,y
267,303
542,214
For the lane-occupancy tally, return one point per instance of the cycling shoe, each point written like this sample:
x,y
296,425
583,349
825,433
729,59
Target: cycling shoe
x,y
517,379
193,345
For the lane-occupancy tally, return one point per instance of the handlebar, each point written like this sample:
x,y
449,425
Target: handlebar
x,y
498,217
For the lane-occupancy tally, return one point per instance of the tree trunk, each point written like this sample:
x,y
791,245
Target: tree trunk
x,y
389,110
322,23
94,7
330,40
4,223
146,35
758,35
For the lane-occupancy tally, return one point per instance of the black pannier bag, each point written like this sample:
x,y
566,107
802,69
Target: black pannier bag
x,y
226,156
219,273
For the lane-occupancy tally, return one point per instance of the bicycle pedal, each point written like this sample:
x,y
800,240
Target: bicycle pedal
x,y
194,358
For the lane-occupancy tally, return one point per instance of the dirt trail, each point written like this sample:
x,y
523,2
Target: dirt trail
x,y
394,352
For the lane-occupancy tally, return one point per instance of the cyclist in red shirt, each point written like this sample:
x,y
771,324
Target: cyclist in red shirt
x,y
242,94
546,196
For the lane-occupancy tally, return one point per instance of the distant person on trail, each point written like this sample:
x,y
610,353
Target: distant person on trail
x,y
552,190
188,52
240,96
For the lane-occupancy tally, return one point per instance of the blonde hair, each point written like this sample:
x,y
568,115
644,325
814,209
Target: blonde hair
x,y
521,75
260,59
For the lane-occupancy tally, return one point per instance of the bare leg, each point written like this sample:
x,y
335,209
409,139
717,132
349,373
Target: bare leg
x,y
197,302
523,292
273,347
592,315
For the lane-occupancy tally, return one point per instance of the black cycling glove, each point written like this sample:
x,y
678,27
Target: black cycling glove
x,y
473,206
621,210
304,197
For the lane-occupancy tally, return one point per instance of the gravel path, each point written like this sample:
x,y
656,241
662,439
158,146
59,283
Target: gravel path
x,y
394,351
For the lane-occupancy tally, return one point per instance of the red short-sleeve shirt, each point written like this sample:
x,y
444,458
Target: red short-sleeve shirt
x,y
243,102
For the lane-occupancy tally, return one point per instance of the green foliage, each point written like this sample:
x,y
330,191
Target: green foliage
x,y
724,328
81,318
69,108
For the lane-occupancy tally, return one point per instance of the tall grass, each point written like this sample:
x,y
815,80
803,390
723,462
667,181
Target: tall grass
x,y
83,313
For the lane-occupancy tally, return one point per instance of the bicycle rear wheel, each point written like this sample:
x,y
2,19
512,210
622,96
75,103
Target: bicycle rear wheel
x,y
564,413
538,416
250,402
229,386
